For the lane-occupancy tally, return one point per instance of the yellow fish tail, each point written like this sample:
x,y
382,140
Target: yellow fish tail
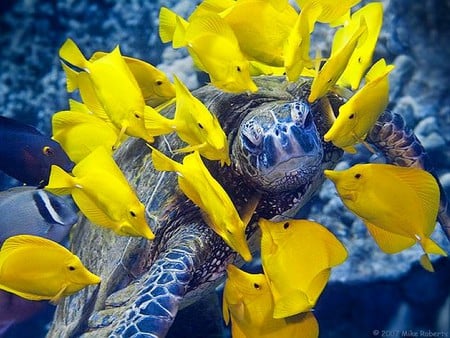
x,y
430,247
70,53
163,163
157,124
72,77
60,182
172,27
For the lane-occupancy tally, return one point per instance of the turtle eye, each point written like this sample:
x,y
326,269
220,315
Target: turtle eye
x,y
48,151
252,136
301,113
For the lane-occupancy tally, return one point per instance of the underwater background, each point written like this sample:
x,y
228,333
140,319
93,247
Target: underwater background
x,y
372,294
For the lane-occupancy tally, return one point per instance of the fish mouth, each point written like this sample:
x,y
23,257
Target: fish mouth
x,y
280,146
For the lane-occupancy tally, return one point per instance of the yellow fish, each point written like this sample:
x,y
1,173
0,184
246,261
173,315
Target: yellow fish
x,y
201,188
213,47
335,65
262,39
399,205
37,268
297,256
333,12
80,133
296,50
362,56
115,87
103,194
248,303
362,110
156,88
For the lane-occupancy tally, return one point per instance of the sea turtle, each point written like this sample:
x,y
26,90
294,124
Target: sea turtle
x,y
277,151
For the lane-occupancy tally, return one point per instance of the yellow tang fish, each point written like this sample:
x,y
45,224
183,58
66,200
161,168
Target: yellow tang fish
x,y
213,47
247,301
333,12
335,65
297,256
262,39
296,50
362,56
103,194
81,133
201,188
399,205
37,268
153,82
362,110
115,87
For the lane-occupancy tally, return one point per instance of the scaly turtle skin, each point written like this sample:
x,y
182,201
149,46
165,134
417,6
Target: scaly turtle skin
x,y
277,151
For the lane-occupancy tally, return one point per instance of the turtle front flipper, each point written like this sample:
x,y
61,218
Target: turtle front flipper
x,y
400,146
156,305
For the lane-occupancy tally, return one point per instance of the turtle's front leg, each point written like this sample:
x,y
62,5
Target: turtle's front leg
x,y
156,306
400,146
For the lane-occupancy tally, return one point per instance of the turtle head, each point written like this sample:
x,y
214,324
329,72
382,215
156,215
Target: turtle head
x,y
278,147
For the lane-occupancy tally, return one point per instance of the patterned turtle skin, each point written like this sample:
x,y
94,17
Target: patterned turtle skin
x,y
277,152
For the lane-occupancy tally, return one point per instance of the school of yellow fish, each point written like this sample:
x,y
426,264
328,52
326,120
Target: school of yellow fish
x,y
122,96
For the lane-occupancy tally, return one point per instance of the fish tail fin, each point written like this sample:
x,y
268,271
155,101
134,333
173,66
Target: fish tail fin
x,y
157,124
171,27
430,247
60,182
164,163
71,76
70,53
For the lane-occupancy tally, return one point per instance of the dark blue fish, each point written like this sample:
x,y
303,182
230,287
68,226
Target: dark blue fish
x,y
27,210
27,155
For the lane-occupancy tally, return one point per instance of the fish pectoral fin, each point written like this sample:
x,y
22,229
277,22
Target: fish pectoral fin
x,y
429,247
60,182
426,263
57,298
291,304
389,242
238,310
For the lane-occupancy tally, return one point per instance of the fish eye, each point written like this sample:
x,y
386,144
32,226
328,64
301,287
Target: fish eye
x,y
136,115
71,268
360,59
256,286
200,126
132,213
351,116
357,176
238,68
286,225
48,151
159,82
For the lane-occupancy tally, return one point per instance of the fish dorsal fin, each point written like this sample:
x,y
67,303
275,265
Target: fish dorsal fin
x,y
387,241
426,188
99,158
210,24
317,284
97,55
20,241
71,77
179,34
291,303
11,124
89,96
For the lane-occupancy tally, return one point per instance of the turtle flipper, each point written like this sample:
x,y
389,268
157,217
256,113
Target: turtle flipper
x,y
156,306
400,146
